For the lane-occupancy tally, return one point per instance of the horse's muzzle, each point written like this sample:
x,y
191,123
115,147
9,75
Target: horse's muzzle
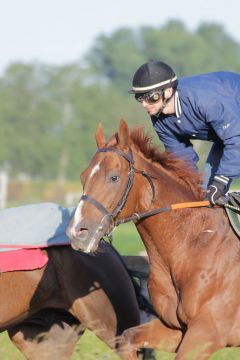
x,y
84,238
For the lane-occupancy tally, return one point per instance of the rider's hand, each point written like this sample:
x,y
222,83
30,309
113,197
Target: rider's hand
x,y
217,188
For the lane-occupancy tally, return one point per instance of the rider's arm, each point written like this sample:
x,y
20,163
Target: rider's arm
x,y
225,120
180,146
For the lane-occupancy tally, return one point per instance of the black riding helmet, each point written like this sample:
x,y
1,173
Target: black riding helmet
x,y
153,75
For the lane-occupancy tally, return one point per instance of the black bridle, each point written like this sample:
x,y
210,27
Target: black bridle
x,y
113,215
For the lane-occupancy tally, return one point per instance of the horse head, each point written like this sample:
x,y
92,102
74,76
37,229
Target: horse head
x,y
106,182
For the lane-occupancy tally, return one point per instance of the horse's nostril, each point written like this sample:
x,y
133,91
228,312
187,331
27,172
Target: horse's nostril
x,y
81,232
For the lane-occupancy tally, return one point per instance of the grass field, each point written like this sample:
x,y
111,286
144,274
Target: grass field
x,y
90,347
127,241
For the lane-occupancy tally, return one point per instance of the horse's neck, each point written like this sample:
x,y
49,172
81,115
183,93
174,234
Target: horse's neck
x,y
168,188
167,232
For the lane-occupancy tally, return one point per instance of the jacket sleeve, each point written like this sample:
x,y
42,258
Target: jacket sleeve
x,y
225,120
180,146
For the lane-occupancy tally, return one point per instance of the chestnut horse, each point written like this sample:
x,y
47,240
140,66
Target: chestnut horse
x,y
194,253
72,292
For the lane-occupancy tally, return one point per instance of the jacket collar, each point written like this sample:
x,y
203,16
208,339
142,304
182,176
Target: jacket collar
x,y
178,108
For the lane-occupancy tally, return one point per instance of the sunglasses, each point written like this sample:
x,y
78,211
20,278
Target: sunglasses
x,y
150,98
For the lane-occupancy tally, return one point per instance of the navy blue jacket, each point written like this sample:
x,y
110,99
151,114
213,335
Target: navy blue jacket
x,y
209,110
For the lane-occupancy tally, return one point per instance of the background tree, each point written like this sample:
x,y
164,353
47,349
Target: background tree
x,y
48,115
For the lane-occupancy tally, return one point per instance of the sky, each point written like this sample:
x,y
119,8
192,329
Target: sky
x,y
59,32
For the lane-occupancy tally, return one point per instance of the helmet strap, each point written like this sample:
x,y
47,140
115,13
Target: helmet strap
x,y
165,101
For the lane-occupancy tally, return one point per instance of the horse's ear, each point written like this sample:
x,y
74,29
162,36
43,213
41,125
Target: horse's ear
x,y
99,136
123,134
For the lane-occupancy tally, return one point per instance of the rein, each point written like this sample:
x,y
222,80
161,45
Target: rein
x,y
136,216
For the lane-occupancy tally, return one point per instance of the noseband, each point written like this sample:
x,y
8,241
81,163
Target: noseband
x,y
113,215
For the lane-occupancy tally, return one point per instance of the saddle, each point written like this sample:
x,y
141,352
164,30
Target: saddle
x,y
232,207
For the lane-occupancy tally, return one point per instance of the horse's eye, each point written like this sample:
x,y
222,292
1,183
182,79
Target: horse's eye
x,y
115,178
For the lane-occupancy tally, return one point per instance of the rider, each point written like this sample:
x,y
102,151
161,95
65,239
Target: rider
x,y
205,107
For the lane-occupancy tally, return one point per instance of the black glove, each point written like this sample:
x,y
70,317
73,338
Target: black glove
x,y
217,188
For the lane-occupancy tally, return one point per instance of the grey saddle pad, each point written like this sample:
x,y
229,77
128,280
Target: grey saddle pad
x,y
34,225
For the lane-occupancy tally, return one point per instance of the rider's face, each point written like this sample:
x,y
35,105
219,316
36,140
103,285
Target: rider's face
x,y
157,102
152,109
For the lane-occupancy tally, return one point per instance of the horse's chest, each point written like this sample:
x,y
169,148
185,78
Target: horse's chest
x,y
169,300
164,300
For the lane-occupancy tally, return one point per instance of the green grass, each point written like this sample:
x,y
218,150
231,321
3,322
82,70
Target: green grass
x,y
90,347
126,240
7,350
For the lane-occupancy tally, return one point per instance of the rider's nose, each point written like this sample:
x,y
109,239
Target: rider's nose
x,y
144,103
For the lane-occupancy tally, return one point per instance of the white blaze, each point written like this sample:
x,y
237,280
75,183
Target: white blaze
x,y
78,213
77,216
94,170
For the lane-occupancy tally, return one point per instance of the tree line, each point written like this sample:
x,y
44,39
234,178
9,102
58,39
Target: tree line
x,y
49,114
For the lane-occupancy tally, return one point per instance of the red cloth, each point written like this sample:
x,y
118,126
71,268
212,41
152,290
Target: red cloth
x,y
24,259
